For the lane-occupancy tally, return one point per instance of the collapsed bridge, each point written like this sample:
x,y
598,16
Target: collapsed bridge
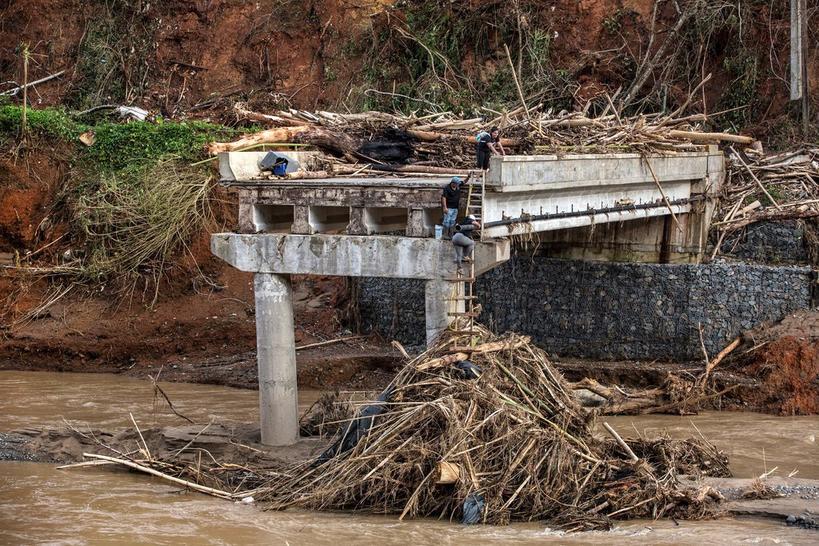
x,y
646,207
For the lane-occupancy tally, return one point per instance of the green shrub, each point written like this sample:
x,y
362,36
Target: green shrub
x,y
124,145
49,122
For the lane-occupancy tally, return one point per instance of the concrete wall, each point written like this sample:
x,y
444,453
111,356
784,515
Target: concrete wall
x,y
610,310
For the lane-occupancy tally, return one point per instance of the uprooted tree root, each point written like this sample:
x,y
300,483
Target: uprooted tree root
x,y
512,440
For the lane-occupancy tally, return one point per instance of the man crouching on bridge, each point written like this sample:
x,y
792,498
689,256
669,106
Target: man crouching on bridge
x,y
450,202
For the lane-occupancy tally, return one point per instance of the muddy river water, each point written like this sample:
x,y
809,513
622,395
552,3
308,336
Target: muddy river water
x,y
40,504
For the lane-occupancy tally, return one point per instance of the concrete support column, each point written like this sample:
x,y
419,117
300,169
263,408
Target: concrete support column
x,y
439,304
276,358
358,222
301,220
415,222
246,212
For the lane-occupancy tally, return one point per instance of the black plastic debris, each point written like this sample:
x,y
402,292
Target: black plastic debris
x,y
468,369
357,428
473,509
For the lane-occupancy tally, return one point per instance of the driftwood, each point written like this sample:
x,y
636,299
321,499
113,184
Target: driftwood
x,y
621,442
148,470
794,174
719,358
329,342
447,141
695,136
13,91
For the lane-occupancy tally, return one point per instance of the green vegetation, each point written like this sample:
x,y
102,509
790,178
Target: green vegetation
x,y
48,122
139,220
123,145
133,197
116,145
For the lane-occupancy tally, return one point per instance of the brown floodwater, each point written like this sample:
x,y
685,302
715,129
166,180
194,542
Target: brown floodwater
x,y
42,505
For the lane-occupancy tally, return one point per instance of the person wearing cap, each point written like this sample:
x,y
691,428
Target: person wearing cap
x,y
462,240
488,143
450,201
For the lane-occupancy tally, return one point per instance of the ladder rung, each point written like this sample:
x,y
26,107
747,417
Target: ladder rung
x,y
460,279
461,298
466,314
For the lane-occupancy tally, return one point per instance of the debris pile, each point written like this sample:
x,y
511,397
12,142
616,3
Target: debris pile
x,y
508,442
382,142
757,187
774,187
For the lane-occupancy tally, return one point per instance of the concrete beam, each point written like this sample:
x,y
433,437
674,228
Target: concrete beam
x,y
350,255
580,221
551,172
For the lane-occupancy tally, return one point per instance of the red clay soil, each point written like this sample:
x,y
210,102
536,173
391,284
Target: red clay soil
x,y
196,331
786,371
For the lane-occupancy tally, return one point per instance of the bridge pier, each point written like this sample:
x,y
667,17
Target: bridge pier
x,y
276,359
273,257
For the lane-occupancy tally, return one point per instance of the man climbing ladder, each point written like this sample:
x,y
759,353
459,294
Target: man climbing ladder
x,y
463,242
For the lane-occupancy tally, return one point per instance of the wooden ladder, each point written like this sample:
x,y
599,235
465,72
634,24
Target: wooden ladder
x,y
465,291
474,198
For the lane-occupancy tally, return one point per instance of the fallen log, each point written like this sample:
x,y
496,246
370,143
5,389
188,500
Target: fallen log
x,y
773,216
424,169
429,136
720,356
336,142
696,136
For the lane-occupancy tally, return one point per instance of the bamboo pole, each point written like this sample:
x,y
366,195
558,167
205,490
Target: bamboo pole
x,y
148,470
24,119
517,83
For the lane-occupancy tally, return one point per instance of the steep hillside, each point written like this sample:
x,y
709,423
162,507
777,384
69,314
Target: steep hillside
x,y
198,57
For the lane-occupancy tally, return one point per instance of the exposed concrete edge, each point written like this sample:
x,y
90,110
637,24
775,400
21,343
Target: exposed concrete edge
x,y
351,255
524,228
